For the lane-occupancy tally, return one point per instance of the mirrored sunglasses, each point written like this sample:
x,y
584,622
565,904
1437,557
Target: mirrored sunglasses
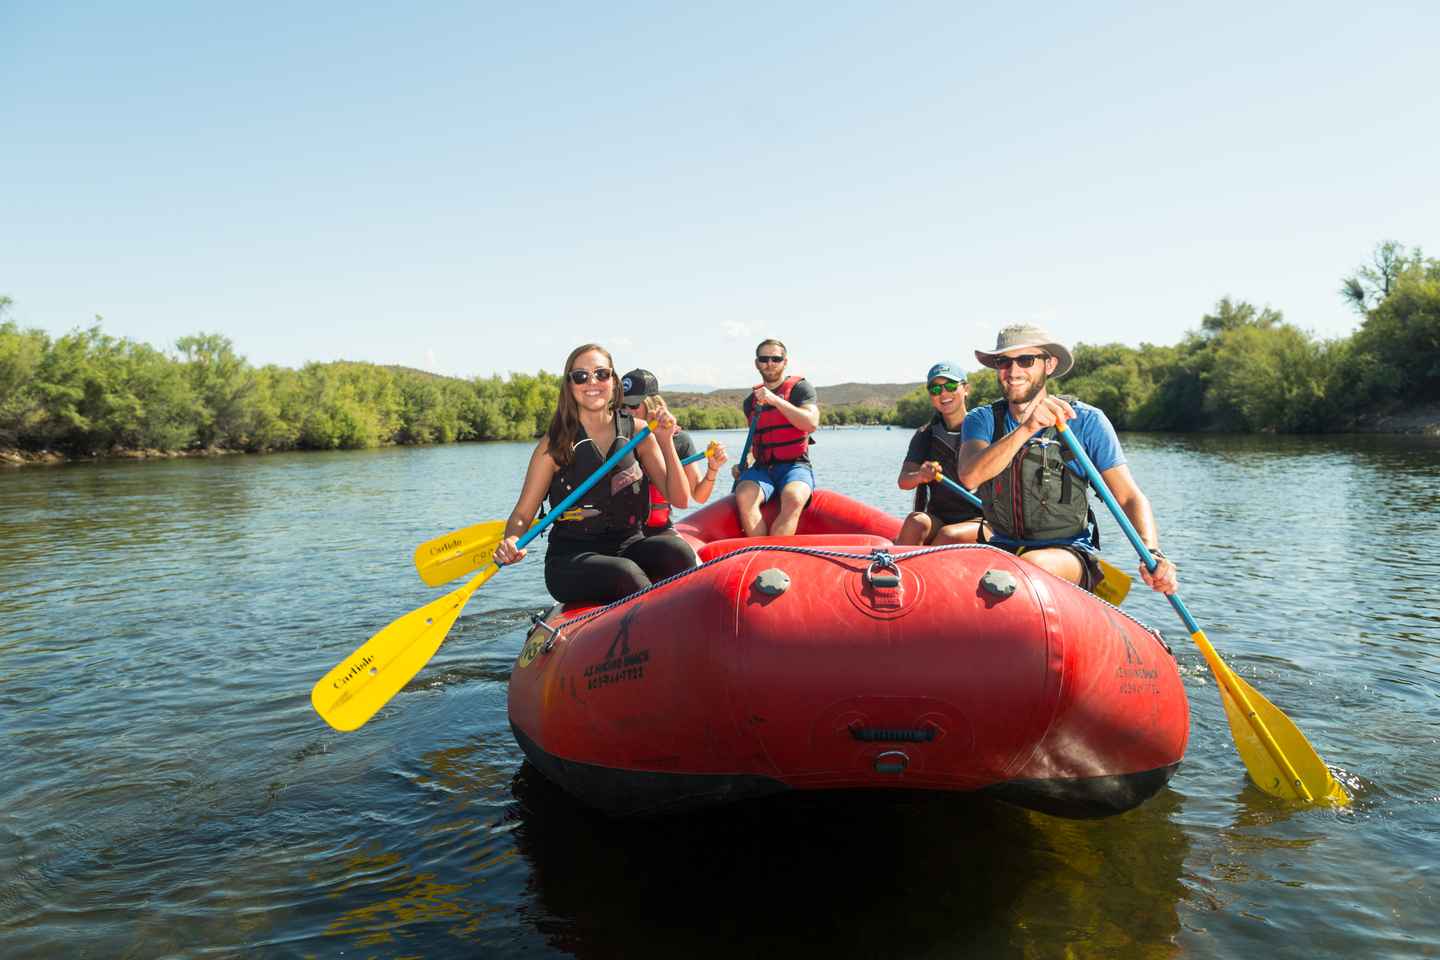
x,y
601,374
949,386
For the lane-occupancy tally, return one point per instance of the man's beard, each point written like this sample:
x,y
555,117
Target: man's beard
x,y
1032,393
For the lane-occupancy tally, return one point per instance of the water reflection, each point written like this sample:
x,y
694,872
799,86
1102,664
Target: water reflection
x,y
435,873
830,875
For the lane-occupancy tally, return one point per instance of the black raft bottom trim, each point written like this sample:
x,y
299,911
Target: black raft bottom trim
x,y
1085,798
628,793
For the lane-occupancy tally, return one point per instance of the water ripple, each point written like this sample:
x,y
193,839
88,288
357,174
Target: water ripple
x,y
171,793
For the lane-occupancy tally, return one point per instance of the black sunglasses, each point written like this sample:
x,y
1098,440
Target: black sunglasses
x,y
1025,361
949,386
601,375
768,358
633,406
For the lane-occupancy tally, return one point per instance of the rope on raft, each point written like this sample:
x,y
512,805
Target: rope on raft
x,y
877,557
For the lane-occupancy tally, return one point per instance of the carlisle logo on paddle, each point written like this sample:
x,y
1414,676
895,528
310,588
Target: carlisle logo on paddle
x,y
445,547
356,668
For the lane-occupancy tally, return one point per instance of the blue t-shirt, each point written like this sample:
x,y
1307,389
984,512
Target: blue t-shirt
x,y
1093,429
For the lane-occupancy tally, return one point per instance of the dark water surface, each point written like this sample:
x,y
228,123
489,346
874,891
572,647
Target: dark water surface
x,y
167,790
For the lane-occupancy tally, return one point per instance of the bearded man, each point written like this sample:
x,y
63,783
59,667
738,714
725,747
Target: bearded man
x,y
1034,494
783,411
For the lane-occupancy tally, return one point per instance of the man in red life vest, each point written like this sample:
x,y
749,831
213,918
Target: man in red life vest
x,y
783,412
637,385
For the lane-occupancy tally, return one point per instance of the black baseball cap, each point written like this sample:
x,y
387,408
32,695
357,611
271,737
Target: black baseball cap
x,y
639,384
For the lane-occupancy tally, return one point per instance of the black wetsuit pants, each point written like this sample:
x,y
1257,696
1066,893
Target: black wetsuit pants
x,y
607,568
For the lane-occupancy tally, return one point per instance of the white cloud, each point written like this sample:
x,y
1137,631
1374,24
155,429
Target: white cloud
x,y
736,330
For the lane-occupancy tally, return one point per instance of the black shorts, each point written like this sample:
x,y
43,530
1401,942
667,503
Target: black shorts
x,y
945,519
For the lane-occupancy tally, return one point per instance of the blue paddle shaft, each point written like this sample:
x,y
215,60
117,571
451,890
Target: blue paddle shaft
x,y
745,450
584,488
693,458
750,435
974,500
1146,557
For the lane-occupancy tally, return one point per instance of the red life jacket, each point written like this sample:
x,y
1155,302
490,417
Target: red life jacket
x,y
659,515
659,508
776,438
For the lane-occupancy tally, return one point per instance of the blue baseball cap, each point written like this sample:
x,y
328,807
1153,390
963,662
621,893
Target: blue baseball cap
x,y
946,369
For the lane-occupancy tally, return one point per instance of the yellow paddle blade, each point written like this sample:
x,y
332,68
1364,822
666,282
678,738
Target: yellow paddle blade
x,y
1114,583
365,681
1279,758
458,553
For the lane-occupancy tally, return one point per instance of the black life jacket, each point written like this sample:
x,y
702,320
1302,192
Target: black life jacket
x,y
1037,498
776,439
935,497
616,504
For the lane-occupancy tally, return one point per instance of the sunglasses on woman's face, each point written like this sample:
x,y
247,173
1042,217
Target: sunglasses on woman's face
x,y
769,358
949,386
632,407
1025,361
601,374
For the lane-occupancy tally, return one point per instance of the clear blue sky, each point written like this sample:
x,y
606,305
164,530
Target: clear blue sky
x,y
476,188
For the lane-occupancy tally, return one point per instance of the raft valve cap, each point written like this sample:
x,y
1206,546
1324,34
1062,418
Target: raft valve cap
x,y
772,582
999,583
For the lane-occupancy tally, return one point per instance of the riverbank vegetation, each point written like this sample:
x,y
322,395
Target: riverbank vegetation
x,y
1244,369
1247,370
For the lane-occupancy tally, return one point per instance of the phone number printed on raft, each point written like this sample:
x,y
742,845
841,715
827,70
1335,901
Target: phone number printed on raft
x,y
1138,679
606,673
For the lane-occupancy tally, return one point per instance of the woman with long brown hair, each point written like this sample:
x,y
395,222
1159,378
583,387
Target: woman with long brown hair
x,y
598,549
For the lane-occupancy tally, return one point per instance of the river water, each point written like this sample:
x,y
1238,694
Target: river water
x,y
168,791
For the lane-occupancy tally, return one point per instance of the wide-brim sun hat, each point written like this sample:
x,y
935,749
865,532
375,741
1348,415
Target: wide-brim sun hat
x,y
1021,336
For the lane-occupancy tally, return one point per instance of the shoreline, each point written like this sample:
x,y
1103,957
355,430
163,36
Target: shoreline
x,y
1423,421
12,457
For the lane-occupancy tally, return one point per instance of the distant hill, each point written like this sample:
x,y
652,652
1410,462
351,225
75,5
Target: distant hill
x,y
838,395
414,372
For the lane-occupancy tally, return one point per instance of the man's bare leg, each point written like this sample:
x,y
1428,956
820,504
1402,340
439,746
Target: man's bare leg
x,y
1062,563
792,500
748,497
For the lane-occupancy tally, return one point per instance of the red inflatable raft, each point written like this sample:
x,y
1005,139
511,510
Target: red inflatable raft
x,y
835,660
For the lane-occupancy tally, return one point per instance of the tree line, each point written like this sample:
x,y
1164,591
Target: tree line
x,y
89,393
1244,369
